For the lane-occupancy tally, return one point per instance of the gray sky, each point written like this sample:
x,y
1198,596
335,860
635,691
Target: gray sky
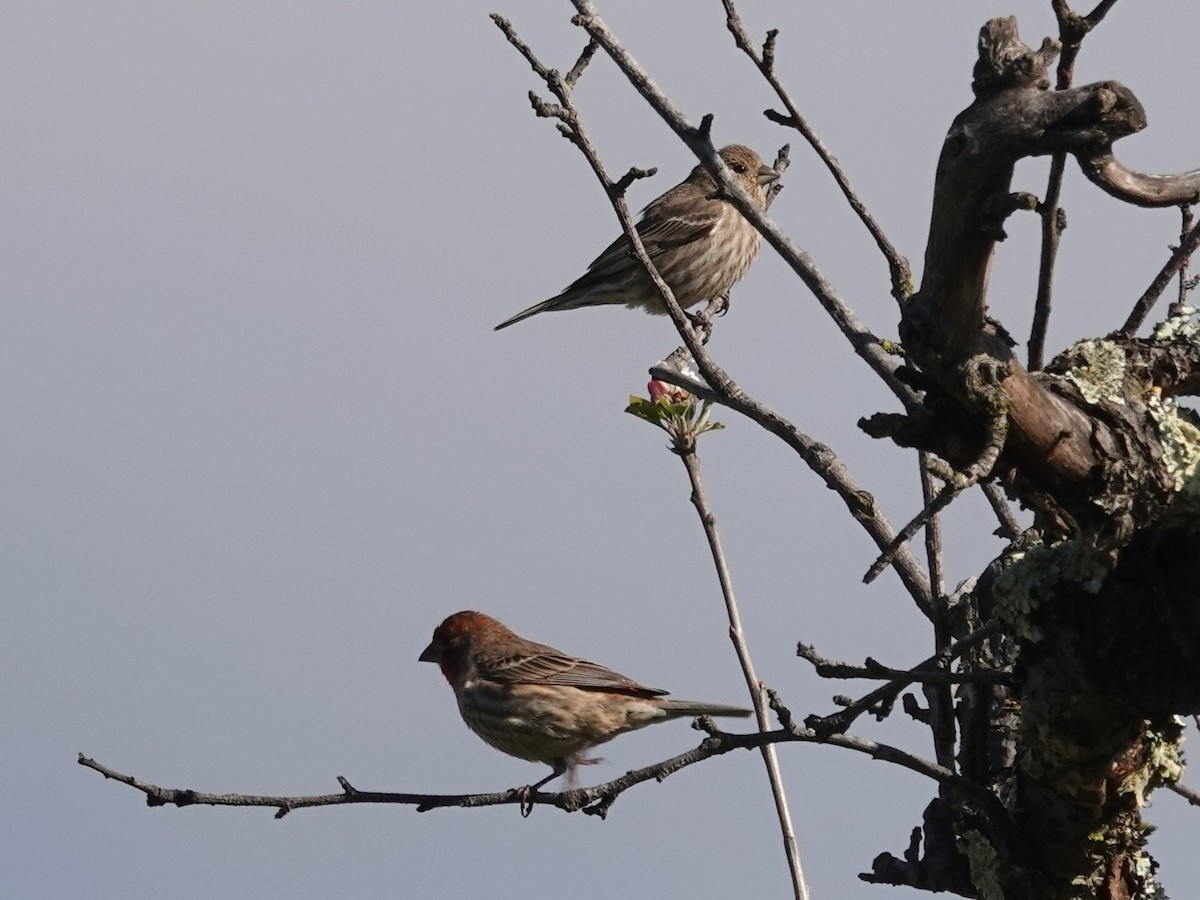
x,y
259,438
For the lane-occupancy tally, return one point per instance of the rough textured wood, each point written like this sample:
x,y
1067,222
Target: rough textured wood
x,y
1103,630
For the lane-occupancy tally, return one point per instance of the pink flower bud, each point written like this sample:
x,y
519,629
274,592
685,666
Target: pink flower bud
x,y
672,394
659,389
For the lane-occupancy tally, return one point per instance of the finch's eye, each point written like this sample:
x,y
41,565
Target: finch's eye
x,y
739,168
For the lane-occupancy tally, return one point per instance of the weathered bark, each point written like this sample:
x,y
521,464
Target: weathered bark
x,y
1101,608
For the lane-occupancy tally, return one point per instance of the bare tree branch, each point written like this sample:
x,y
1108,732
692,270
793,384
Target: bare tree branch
x,y
818,457
898,267
1010,528
865,344
593,801
1191,796
585,57
1179,258
691,462
871,669
942,724
1139,188
1186,284
987,801
933,531
883,696
956,483
1072,28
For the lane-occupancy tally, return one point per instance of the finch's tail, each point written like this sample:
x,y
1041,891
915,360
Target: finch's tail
x,y
689,708
582,292
552,303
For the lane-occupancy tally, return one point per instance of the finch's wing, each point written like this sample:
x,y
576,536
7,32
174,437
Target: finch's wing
x,y
545,665
660,230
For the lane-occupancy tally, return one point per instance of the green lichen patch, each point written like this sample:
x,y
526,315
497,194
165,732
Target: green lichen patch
x,y
1102,376
1179,326
984,865
1179,434
1163,763
1036,574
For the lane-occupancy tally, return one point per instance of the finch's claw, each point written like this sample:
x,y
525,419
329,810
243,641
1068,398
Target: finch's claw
x,y
525,795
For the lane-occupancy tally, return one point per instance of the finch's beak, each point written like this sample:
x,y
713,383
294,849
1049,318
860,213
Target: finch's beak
x,y
766,175
429,654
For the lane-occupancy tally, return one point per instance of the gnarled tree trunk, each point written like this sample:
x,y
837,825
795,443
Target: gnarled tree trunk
x,y
1101,602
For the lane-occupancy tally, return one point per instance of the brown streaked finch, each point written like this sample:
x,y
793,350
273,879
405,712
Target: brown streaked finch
x,y
536,703
699,243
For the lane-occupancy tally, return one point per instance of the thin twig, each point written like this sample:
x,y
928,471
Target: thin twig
x,y
708,521
884,695
621,185
513,38
1174,264
1010,528
1083,24
898,267
987,801
871,669
1054,221
941,703
1186,285
585,57
933,533
819,457
927,513
1185,792
956,483
1072,28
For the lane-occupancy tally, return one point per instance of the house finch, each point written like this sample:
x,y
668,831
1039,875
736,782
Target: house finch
x,y
533,702
699,243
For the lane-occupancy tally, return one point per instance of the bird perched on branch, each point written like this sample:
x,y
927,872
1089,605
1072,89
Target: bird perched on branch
x,y
699,243
533,702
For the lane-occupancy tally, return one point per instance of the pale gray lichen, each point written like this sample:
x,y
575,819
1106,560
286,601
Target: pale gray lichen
x,y
1144,868
1163,764
1103,375
1035,574
1179,434
1178,326
984,865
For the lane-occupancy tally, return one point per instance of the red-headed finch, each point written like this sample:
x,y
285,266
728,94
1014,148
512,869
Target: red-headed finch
x,y
699,243
533,702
